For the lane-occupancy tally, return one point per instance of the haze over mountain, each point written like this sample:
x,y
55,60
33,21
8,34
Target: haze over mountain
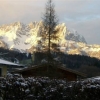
x,y
19,36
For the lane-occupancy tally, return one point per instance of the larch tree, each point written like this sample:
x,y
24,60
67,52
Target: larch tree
x,y
49,23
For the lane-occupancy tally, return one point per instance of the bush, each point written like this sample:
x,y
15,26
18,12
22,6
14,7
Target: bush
x,y
15,87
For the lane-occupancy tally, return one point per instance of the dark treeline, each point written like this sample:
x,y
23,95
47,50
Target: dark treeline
x,y
6,52
12,54
71,61
85,64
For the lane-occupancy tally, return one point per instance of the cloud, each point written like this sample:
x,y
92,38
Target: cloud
x,y
78,9
81,15
20,10
88,28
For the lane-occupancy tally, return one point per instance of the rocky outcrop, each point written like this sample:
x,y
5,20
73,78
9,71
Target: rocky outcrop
x,y
18,36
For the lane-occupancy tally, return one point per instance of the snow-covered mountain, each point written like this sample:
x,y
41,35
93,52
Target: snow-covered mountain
x,y
23,37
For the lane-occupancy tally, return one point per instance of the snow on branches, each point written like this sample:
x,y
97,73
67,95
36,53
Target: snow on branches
x,y
15,87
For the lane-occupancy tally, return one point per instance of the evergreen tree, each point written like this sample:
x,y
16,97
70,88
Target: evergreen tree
x,y
49,23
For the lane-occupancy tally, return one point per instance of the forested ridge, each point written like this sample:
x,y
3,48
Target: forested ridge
x,y
85,64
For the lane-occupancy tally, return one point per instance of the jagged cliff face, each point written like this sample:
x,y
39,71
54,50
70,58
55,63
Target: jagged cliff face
x,y
20,36
23,37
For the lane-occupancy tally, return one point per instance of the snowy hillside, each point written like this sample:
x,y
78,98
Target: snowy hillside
x,y
23,37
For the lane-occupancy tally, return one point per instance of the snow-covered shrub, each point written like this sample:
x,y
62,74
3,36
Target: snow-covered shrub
x,y
15,87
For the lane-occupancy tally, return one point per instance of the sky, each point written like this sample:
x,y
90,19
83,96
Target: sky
x,y
82,16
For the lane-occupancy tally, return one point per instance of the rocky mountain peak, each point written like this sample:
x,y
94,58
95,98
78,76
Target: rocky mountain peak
x,y
25,37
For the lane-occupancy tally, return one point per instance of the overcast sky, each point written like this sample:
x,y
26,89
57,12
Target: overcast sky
x,y
82,16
